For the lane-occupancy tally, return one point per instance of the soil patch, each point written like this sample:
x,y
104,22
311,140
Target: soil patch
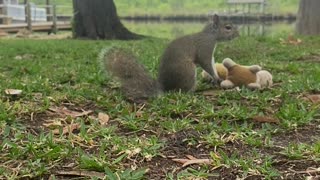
x,y
313,57
297,169
178,146
308,134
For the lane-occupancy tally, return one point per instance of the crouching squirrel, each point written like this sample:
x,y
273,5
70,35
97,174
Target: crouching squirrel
x,y
177,70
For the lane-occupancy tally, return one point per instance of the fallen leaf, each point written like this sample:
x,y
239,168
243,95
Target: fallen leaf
x,y
67,112
13,91
67,129
190,157
133,152
139,114
211,92
182,161
291,40
264,119
187,162
148,157
52,124
70,165
314,98
103,118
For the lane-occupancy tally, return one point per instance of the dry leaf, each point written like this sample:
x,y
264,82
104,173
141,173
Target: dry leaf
x,y
187,162
139,114
182,161
291,40
67,129
264,119
13,91
190,157
133,152
67,112
103,118
211,92
314,98
52,124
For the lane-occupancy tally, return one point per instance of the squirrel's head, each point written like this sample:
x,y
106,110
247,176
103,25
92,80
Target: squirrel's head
x,y
223,30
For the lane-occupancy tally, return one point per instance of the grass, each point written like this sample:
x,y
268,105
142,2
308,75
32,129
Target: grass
x,y
139,142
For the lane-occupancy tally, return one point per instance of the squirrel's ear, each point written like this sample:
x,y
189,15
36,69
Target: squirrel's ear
x,y
215,19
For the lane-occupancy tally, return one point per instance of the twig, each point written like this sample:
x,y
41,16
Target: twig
x,y
310,171
82,173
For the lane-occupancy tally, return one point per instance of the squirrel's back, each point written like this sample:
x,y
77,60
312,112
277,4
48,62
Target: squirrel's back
x,y
136,83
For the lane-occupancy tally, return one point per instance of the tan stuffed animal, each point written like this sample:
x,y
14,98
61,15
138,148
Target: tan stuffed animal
x,y
220,69
250,76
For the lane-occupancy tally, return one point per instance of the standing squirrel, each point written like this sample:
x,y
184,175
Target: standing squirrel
x,y
177,70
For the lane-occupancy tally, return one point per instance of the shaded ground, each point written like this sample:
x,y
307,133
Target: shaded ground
x,y
177,146
313,58
190,142
289,169
66,124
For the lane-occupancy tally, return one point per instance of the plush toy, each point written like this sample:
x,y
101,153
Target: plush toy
x,y
250,76
220,69
264,78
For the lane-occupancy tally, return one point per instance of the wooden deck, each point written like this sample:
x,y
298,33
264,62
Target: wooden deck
x,y
44,26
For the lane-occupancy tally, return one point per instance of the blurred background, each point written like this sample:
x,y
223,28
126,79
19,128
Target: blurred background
x,y
172,18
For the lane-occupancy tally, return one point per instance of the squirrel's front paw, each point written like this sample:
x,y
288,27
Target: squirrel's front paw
x,y
216,81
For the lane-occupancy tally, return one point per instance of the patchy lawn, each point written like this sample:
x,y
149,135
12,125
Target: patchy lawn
x,y
71,120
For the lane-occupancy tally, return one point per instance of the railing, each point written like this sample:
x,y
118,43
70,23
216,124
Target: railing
x,y
244,3
40,17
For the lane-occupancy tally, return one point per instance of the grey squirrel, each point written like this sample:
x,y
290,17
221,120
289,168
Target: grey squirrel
x,y
177,70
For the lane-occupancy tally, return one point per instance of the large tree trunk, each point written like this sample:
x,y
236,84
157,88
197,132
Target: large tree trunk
x,y
309,17
98,19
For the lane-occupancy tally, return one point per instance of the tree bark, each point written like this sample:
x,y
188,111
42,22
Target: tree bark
x,y
98,19
308,22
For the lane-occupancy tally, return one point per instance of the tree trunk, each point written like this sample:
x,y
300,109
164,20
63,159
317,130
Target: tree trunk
x,y
308,22
98,19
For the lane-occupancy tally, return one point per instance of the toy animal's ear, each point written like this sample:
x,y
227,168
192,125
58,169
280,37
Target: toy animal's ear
x,y
254,68
228,63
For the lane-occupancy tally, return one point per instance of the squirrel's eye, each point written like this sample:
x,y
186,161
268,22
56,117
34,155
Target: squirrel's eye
x,y
228,27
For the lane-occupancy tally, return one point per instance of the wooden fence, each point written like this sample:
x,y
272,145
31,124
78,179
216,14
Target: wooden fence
x,y
53,22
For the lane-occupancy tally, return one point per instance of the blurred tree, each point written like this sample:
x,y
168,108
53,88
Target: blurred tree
x,y
309,17
98,19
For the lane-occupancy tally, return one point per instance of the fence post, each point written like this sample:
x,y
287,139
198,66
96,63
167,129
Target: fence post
x,y
29,17
262,7
54,18
25,2
48,7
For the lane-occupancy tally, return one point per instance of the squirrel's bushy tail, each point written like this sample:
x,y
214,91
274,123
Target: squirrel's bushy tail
x,y
136,83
